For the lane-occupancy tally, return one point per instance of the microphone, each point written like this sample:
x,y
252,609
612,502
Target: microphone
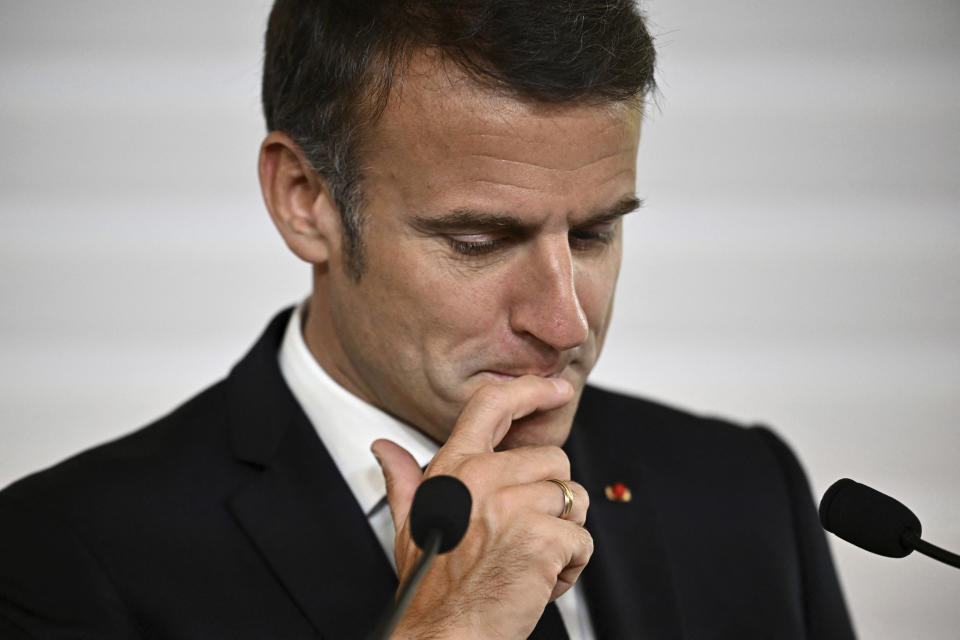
x,y
441,507
876,522
439,517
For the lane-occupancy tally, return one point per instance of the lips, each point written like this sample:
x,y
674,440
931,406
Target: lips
x,y
510,374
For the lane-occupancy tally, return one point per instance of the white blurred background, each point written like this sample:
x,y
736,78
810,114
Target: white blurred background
x,y
798,262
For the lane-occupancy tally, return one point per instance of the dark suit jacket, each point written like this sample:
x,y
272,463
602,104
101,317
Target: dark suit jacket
x,y
228,519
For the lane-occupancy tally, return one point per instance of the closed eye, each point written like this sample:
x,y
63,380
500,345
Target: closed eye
x,y
475,245
594,236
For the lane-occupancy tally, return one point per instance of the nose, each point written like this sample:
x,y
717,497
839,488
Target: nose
x,y
546,305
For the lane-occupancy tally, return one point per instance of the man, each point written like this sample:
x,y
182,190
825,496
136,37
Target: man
x,y
456,175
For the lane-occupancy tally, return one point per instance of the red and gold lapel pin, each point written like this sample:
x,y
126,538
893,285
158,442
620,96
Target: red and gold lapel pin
x,y
617,492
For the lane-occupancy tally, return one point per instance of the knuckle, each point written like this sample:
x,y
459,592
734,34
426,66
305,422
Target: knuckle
x,y
553,569
476,469
584,540
553,458
561,460
492,515
584,496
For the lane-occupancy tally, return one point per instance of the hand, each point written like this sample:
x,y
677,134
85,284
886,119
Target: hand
x,y
517,554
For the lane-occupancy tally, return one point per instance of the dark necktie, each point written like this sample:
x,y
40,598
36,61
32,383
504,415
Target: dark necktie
x,y
550,626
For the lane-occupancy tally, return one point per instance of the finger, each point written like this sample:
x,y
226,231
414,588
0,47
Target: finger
x,y
555,504
578,544
530,464
402,475
494,470
491,410
547,498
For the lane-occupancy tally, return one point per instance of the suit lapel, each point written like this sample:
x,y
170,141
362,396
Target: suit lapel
x,y
628,583
298,510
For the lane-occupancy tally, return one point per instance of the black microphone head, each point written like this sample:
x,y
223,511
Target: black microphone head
x,y
441,503
867,518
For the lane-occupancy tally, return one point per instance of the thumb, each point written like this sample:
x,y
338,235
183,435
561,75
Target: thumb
x,y
402,475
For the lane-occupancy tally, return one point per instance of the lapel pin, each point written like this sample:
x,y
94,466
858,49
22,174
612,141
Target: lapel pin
x,y
617,492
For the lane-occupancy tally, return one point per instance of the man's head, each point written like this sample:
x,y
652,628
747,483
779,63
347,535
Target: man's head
x,y
455,172
330,66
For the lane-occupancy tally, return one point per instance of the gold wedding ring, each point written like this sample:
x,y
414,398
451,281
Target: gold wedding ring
x,y
567,496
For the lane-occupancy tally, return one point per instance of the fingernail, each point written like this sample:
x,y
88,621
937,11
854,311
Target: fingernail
x,y
562,385
376,457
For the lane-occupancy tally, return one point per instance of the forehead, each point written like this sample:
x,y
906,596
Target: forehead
x,y
443,134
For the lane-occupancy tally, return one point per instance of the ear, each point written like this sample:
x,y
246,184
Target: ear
x,y
298,200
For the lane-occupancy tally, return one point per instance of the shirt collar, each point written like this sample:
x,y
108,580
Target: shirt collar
x,y
346,424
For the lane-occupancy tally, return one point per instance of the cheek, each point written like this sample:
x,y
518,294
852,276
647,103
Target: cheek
x,y
467,317
441,303
595,289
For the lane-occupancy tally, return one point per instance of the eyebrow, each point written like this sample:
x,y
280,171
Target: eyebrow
x,y
460,220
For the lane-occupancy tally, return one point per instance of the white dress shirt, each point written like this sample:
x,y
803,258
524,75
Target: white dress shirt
x,y
348,426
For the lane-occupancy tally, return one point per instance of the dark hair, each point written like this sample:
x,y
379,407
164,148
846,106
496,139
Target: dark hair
x,y
329,65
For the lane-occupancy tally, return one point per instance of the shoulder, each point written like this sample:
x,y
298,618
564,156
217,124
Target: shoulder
x,y
614,416
678,444
79,537
132,470
721,495
697,470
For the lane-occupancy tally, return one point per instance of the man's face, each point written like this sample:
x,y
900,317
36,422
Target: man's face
x,y
492,244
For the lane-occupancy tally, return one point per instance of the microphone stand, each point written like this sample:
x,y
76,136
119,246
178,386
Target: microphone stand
x,y
409,589
912,540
